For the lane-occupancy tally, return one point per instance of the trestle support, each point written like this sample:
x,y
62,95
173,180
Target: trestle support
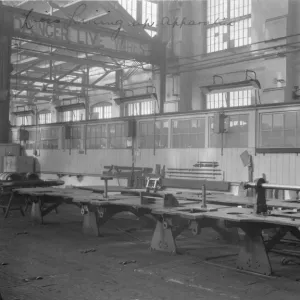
x,y
36,212
165,233
39,210
253,255
96,216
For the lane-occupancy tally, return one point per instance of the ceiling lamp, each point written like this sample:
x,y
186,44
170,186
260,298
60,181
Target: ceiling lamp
x,y
238,85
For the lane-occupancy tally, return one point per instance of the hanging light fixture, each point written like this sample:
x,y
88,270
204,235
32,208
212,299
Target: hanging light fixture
x,y
238,85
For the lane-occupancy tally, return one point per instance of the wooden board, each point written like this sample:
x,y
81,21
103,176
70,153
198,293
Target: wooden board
x,y
100,189
196,184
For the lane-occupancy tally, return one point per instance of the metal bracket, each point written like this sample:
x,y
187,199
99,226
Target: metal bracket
x,y
195,227
84,210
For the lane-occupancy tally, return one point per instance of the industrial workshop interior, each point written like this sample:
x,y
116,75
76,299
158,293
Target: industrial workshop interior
x,y
149,150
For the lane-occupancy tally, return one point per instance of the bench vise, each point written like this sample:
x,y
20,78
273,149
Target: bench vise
x,y
260,206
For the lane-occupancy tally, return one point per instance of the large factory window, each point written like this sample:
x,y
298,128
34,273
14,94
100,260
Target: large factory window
x,y
74,140
116,136
139,108
188,133
280,130
24,120
73,115
147,134
44,117
49,138
130,6
229,24
236,132
34,137
230,99
149,16
103,111
96,136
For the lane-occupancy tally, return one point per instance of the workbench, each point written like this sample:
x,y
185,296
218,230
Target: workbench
x,y
177,212
9,199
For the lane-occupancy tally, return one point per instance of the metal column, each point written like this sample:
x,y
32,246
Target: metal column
x,y
5,70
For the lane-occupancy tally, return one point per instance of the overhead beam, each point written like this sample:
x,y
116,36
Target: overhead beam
x,y
65,58
64,86
64,75
21,98
57,82
53,92
100,78
69,73
30,85
37,71
26,68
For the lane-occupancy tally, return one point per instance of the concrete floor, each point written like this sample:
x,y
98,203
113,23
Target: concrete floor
x,y
53,253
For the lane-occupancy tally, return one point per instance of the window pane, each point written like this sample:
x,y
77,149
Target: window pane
x,y
290,120
290,139
147,134
239,24
266,121
278,122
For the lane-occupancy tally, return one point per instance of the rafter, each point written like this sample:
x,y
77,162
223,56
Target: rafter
x,y
30,85
64,86
52,92
27,67
57,82
64,75
65,58
100,78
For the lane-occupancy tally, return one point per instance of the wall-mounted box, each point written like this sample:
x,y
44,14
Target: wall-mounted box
x,y
23,135
8,149
129,128
19,164
68,132
220,125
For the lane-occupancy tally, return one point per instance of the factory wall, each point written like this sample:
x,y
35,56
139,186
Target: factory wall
x,y
279,167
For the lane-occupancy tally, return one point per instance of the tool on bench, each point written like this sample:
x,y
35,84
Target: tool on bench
x,y
260,206
153,183
204,196
261,186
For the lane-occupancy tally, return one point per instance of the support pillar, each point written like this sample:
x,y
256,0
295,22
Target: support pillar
x,y
36,213
163,239
162,78
90,224
253,256
5,70
164,236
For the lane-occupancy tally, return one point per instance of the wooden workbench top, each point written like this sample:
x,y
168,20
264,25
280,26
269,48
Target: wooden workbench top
x,y
219,206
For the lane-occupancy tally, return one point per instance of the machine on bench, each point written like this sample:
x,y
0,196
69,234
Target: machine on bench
x,y
135,175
